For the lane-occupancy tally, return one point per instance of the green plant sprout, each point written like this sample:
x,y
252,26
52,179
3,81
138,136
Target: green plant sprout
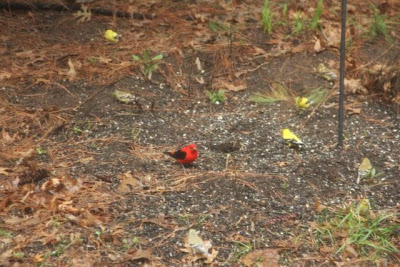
x,y
241,249
317,14
298,24
215,26
40,151
284,13
216,97
267,17
379,25
149,64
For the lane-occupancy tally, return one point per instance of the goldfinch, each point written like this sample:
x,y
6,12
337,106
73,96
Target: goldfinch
x,y
364,207
112,36
364,169
124,97
303,102
291,139
197,244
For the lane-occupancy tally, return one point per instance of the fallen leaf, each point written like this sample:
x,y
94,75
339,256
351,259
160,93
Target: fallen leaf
x,y
72,72
351,252
317,46
127,182
318,207
353,110
141,254
326,249
262,258
4,171
198,64
83,15
200,79
231,86
4,75
354,86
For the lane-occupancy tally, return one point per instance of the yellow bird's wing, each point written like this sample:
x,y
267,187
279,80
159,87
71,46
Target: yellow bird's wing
x,y
291,138
302,102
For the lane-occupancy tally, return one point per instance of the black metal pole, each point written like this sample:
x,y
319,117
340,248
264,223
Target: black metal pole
x,y
342,74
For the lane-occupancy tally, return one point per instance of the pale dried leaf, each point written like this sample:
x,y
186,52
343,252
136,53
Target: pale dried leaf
x,y
354,86
4,75
261,258
83,15
317,46
318,207
200,79
128,182
232,87
71,73
198,64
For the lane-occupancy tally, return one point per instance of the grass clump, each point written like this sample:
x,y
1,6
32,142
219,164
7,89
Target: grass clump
x,y
267,17
357,231
149,63
216,97
379,25
278,93
215,26
298,24
317,14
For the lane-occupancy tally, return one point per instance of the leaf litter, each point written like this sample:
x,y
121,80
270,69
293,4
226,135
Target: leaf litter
x,y
69,206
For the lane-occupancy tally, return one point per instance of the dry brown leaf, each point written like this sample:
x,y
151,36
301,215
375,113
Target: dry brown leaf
x,y
353,110
141,254
4,75
231,86
200,79
318,207
262,258
198,64
83,15
72,72
127,182
351,252
7,138
354,86
4,171
5,255
317,46
326,249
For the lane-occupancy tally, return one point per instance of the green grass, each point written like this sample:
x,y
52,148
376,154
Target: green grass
x,y
298,24
379,25
278,93
241,249
4,233
216,97
317,95
267,17
358,229
317,14
215,26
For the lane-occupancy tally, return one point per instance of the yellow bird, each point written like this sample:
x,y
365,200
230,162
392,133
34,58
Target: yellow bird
x,y
364,207
364,169
303,102
112,36
291,139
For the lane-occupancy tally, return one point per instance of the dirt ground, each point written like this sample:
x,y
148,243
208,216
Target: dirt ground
x,y
84,181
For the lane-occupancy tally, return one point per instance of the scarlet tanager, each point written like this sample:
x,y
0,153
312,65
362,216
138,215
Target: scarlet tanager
x,y
185,155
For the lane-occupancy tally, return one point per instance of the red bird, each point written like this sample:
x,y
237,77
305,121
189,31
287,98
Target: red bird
x,y
185,155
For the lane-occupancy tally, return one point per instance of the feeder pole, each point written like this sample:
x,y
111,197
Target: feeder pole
x,y
342,74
